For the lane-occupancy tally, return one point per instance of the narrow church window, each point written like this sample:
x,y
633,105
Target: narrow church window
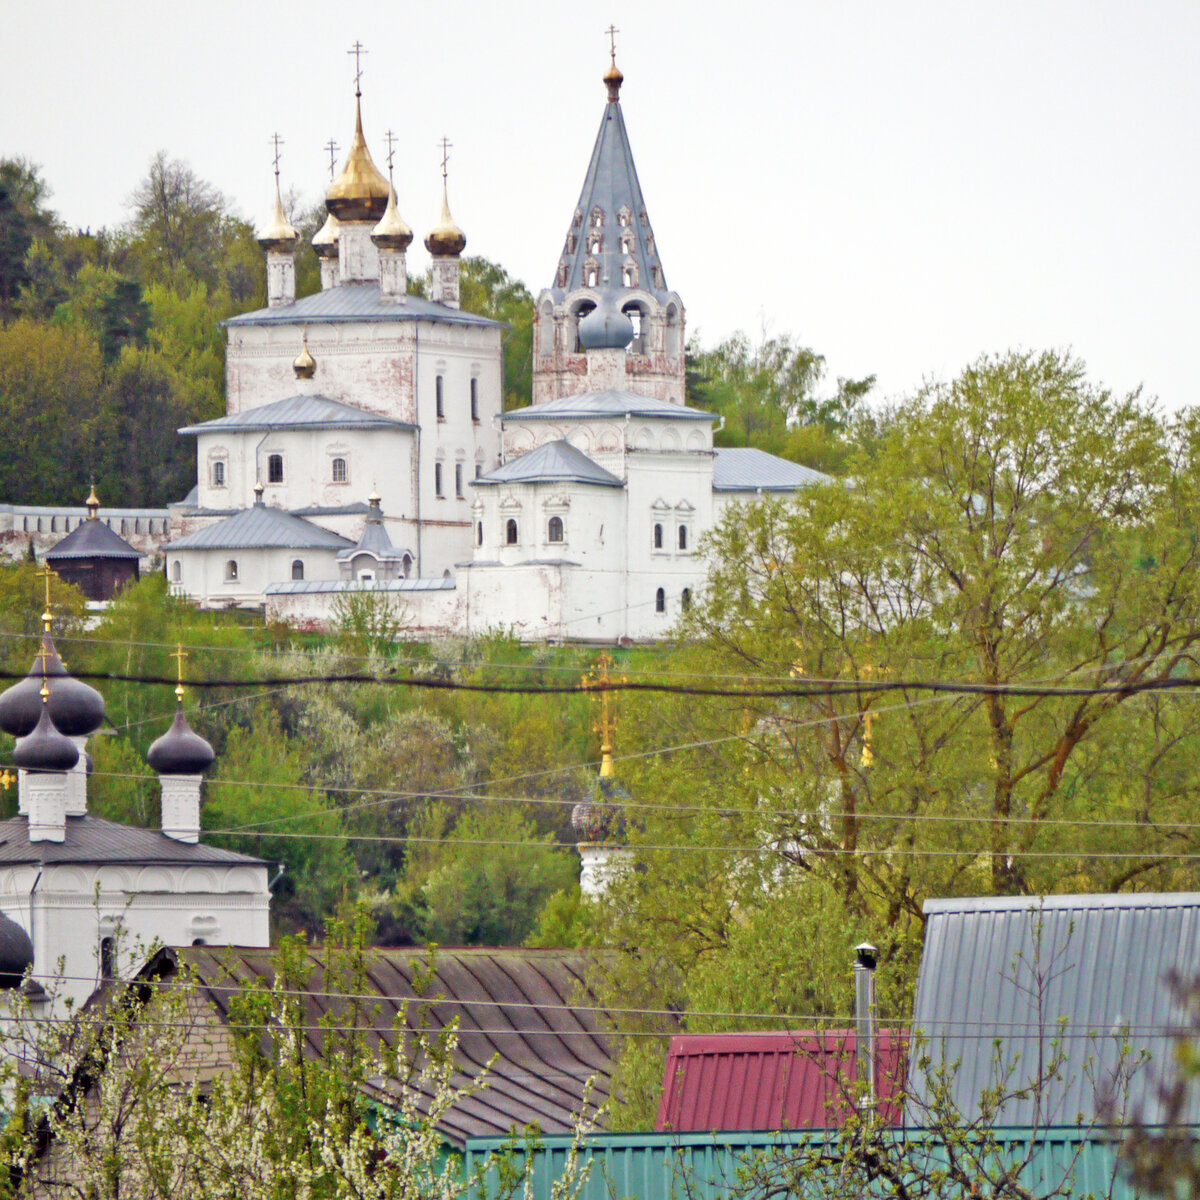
x,y
555,532
474,398
658,537
479,470
686,599
218,473
437,479
176,571
629,276
510,532
594,244
597,216
479,533
275,468
683,537
406,565
339,470
297,568
108,958
660,601
439,398
591,276
458,480
231,571
623,218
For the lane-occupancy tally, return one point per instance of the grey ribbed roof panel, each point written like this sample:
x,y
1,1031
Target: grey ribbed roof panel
x,y
744,469
611,183
585,405
94,840
92,539
358,302
299,412
374,541
1084,970
320,587
261,527
552,462
332,510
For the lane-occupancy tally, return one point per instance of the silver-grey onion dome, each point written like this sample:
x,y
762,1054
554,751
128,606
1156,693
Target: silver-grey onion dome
x,y
16,953
76,709
45,750
606,327
180,751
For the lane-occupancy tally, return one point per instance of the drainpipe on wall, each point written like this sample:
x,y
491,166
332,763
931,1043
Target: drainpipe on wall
x,y
865,957
416,473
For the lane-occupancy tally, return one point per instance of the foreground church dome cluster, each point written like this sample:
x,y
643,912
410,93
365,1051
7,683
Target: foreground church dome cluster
x,y
365,447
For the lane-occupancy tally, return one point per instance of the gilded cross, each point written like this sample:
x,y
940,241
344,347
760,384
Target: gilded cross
x,y
47,574
358,50
277,141
612,32
332,147
179,654
445,145
390,138
606,726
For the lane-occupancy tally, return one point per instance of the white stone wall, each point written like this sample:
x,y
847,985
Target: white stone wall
x,y
204,576
421,613
67,911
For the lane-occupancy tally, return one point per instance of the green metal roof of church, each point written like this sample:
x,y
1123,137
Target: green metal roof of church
x,y
298,412
359,302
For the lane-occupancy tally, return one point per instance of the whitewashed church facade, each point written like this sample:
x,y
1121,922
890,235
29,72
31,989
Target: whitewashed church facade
x,y
365,447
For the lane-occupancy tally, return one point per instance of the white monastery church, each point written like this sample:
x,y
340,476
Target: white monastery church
x,y
365,446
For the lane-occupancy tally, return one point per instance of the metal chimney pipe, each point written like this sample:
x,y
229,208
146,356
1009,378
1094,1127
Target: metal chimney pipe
x,y
865,957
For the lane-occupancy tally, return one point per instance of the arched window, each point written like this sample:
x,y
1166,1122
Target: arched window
x,y
176,571
554,532
686,599
108,957
274,468
510,532
297,568
474,398
440,398
199,942
479,533
339,470
231,573
218,473
660,601
658,537
683,537
437,478
406,565
458,480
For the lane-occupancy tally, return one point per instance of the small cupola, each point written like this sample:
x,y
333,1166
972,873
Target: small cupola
x,y
279,241
16,953
180,751
606,327
392,237
46,750
179,758
446,242
305,365
76,709
360,192
92,503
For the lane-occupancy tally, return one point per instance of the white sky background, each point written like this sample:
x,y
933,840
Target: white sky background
x,y
900,185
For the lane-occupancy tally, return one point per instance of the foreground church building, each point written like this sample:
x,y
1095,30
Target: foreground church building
x,y
365,449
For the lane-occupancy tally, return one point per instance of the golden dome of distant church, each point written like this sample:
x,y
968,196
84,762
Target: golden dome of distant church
x,y
360,192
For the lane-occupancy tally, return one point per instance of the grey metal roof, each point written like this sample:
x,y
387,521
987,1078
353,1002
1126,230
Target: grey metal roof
x,y
332,510
374,541
95,840
260,527
611,183
358,302
583,405
551,462
744,469
298,412
319,587
1086,970
92,539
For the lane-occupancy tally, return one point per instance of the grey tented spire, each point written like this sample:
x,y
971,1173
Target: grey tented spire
x,y
612,212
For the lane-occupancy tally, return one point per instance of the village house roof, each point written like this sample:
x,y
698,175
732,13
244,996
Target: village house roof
x,y
1083,976
261,527
745,469
298,412
359,302
791,1080
528,1008
610,404
551,462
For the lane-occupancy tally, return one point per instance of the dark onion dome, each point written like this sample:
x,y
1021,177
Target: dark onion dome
x,y
360,192
180,751
45,750
16,953
601,818
75,708
606,327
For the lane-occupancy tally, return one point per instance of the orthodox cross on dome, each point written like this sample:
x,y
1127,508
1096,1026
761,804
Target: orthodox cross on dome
x,y
358,50
612,32
276,141
390,138
601,681
178,654
44,657
332,147
445,144
47,574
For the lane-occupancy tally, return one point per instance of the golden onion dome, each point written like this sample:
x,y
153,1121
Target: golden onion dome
x,y
305,365
360,192
446,239
613,80
391,233
325,243
279,234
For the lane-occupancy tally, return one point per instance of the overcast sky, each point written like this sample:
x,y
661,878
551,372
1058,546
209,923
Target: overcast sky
x,y
902,186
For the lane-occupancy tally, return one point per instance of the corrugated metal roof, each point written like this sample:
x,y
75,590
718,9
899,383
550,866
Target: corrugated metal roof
x,y
744,469
610,184
1083,973
358,302
94,840
714,1166
299,412
92,539
584,405
374,541
794,1080
551,462
518,1005
260,527
332,510
318,587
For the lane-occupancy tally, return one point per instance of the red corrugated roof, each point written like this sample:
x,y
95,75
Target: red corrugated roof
x,y
795,1080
